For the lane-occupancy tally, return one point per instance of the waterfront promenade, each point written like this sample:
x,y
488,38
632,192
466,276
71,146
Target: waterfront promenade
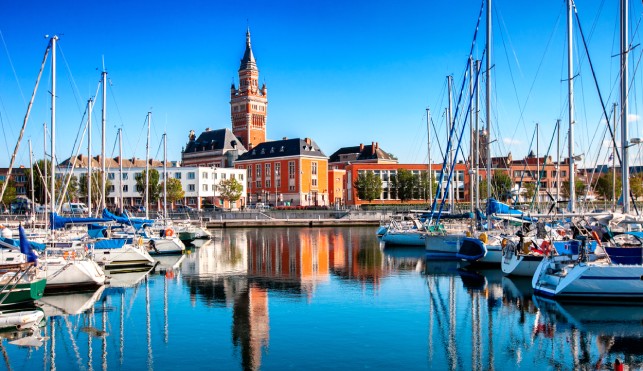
x,y
296,218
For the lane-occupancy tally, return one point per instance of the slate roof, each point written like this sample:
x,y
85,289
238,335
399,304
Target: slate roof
x,y
282,148
212,140
248,60
366,153
110,163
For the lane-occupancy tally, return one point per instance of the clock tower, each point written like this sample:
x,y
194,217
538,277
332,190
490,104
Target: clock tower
x,y
248,103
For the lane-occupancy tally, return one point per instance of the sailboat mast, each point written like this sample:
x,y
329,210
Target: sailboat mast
x,y
147,167
103,182
429,172
625,168
614,164
477,159
570,87
165,177
44,165
449,127
53,124
488,99
557,162
471,123
537,163
33,191
89,156
120,168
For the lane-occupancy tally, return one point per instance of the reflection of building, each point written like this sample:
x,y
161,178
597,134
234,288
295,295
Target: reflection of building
x,y
357,259
251,325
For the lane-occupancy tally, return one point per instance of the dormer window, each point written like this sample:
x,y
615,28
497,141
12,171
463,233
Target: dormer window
x,y
281,149
263,151
272,149
254,152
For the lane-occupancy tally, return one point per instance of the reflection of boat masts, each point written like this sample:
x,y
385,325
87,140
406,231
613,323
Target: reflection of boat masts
x,y
439,308
453,350
148,323
476,338
73,341
122,329
52,348
104,343
166,328
89,342
431,285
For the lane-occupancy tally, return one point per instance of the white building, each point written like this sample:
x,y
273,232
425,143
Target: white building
x,y
200,184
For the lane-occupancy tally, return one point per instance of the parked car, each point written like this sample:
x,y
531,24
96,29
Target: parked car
x,y
209,207
185,209
75,208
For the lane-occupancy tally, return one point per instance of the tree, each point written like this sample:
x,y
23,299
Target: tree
x,y
530,191
636,186
368,185
174,190
154,189
406,184
604,186
96,180
230,189
423,186
41,185
500,185
9,194
580,187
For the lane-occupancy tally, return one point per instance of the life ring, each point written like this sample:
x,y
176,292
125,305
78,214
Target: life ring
x,y
169,232
69,255
595,237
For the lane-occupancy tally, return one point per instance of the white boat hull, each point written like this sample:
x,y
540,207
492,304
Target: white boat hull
x,y
493,256
73,274
520,265
21,320
447,245
556,278
126,256
173,245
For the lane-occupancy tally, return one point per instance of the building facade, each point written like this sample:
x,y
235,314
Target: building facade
x,y
287,172
213,148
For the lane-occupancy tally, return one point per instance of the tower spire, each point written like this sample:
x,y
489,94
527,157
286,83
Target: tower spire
x,y
248,60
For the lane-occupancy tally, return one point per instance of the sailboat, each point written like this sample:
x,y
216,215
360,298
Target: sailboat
x,y
596,275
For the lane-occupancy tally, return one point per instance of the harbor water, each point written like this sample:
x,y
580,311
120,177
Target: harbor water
x,y
320,298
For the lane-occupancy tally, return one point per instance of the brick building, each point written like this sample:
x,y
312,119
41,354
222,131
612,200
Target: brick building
x,y
286,172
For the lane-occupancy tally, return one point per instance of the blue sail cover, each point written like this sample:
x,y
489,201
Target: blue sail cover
x,y
25,247
137,223
496,207
57,222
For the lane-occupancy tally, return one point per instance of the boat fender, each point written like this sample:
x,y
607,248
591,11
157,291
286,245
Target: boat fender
x,y
139,241
483,238
596,238
169,232
468,234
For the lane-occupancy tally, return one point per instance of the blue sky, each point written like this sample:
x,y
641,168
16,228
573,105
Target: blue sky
x,y
342,73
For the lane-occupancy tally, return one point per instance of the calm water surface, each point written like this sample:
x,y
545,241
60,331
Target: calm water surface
x,y
321,298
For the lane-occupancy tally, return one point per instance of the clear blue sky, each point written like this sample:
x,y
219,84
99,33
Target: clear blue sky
x,y
339,72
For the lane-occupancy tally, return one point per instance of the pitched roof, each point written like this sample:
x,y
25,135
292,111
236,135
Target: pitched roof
x,y
248,60
282,148
360,153
212,140
110,163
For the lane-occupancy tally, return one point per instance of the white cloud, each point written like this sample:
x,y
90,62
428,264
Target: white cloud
x,y
632,117
511,141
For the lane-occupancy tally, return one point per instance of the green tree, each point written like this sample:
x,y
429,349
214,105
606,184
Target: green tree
x,y
368,186
580,188
9,194
604,186
96,180
500,186
41,185
636,186
174,190
230,189
406,184
530,191
155,188
423,186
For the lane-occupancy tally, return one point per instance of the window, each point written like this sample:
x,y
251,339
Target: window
x,y
314,182
138,175
191,187
223,176
204,175
125,188
111,176
205,187
125,175
110,188
291,169
177,175
191,175
139,189
267,183
267,171
259,183
258,171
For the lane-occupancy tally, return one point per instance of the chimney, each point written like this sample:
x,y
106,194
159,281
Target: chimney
x,y
307,141
207,129
361,147
372,148
284,138
377,145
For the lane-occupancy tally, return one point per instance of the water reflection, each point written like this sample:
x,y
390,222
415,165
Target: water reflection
x,y
260,298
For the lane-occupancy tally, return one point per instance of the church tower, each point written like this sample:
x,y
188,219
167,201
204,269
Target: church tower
x,y
249,104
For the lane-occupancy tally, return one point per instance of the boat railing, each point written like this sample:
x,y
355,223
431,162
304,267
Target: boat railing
x,y
12,274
